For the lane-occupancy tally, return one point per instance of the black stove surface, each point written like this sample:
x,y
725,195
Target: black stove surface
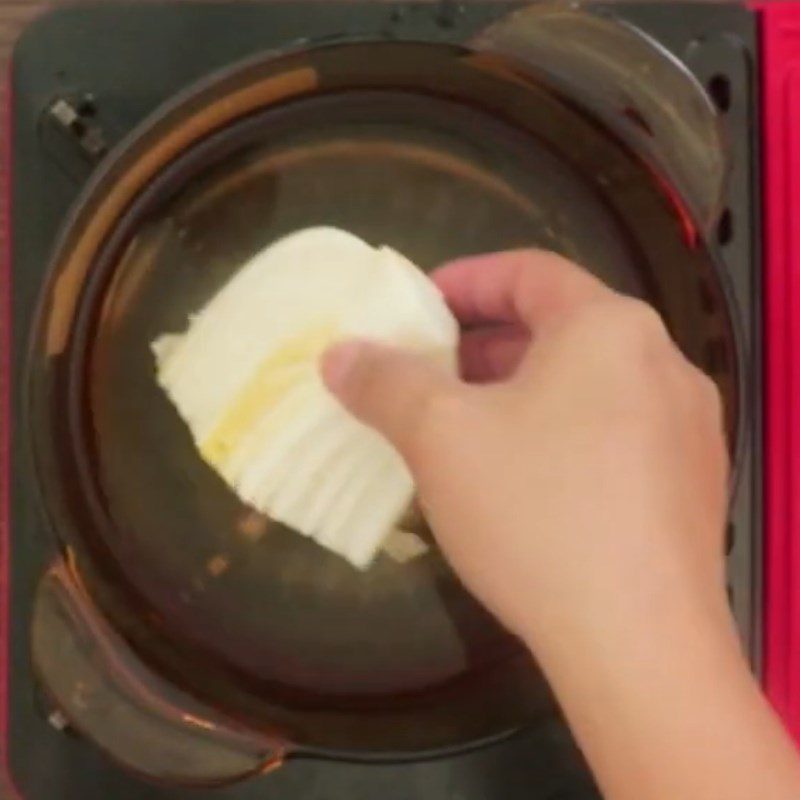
x,y
120,62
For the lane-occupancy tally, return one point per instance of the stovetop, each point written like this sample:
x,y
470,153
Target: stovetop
x,y
115,65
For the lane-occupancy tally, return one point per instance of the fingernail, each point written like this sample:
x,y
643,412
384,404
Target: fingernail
x,y
339,363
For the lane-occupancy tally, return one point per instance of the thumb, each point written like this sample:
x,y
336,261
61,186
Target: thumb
x,y
391,390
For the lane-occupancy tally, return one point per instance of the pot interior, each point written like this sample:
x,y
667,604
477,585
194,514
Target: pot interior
x,y
230,604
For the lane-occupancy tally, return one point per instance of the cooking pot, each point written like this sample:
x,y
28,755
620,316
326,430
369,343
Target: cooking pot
x,y
199,642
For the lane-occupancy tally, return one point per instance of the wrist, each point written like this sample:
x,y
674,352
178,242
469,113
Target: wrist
x,y
634,630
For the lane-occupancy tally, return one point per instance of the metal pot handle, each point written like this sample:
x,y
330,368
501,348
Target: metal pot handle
x,y
636,87
140,720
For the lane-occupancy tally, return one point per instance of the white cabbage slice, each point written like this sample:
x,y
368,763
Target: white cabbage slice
x,y
403,546
245,378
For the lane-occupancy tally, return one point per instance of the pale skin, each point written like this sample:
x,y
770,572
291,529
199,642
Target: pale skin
x,y
576,478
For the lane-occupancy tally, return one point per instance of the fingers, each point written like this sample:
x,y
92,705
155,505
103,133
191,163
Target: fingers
x,y
392,391
523,286
492,353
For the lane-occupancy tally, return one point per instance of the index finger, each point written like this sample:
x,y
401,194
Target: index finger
x,y
517,286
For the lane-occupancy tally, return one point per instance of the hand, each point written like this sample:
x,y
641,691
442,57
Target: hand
x,y
576,478
591,456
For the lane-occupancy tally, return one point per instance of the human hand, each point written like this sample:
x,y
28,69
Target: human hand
x,y
585,456
577,482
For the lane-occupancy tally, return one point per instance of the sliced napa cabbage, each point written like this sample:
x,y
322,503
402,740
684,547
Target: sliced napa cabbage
x,y
245,378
